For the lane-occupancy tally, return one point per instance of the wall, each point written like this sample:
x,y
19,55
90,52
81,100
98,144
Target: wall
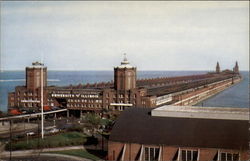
x,y
133,151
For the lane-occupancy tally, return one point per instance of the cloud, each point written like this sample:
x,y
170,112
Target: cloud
x,y
155,35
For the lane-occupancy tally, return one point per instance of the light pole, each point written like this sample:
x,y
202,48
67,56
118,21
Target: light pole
x,y
10,140
54,123
42,132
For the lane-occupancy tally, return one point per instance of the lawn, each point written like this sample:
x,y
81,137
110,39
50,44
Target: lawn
x,y
59,140
78,153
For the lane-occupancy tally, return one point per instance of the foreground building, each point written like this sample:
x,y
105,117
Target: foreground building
x,y
182,133
124,92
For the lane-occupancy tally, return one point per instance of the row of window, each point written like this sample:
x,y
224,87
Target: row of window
x,y
27,93
229,156
50,99
120,96
85,105
85,100
121,101
120,108
30,104
28,98
152,153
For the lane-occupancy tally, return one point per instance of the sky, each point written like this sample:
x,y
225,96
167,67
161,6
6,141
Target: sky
x,y
94,35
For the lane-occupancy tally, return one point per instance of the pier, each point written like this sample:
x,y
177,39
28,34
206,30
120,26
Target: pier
x,y
124,91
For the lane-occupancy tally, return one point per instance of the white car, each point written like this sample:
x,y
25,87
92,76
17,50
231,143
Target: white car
x,y
54,130
30,133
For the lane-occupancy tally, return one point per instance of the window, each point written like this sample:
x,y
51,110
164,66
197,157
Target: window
x,y
189,155
151,153
224,156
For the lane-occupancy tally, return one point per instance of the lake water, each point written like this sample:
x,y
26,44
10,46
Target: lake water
x,y
236,96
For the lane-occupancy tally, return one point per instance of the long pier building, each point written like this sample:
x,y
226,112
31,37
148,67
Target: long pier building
x,y
124,92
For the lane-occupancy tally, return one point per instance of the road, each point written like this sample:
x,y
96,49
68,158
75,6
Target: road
x,y
21,128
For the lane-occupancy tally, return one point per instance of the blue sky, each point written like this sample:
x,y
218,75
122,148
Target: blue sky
x,y
155,35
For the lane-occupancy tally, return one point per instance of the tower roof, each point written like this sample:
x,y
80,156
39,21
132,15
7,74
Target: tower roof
x,y
236,64
125,63
37,65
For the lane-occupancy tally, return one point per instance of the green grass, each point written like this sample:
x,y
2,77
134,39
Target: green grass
x,y
78,153
59,140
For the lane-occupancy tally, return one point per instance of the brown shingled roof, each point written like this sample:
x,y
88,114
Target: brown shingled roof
x,y
136,125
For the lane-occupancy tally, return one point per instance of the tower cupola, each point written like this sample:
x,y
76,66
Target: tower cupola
x,y
125,75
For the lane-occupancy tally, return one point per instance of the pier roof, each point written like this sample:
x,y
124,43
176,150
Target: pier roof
x,y
226,113
181,132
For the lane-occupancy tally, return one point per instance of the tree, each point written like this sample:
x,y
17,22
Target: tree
x,y
93,120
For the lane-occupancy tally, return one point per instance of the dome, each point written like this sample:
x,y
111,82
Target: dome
x,y
125,63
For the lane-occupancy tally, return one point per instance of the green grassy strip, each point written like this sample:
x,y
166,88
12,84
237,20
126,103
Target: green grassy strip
x,y
77,152
63,139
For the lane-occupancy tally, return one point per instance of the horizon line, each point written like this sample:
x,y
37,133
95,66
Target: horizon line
x,y
112,70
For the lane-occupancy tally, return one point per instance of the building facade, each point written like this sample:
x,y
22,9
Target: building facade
x,y
180,133
29,96
124,92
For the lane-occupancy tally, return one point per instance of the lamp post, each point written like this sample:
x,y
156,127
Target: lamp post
x,y
42,132
10,140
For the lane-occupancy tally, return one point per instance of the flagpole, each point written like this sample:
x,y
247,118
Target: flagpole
x,y
42,133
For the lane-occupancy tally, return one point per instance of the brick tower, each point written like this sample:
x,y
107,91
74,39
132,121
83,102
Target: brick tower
x,y
33,76
125,76
236,68
217,68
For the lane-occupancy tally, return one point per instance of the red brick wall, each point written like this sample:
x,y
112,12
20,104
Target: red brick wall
x,y
123,81
245,155
207,154
131,151
168,153
114,148
11,99
33,78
